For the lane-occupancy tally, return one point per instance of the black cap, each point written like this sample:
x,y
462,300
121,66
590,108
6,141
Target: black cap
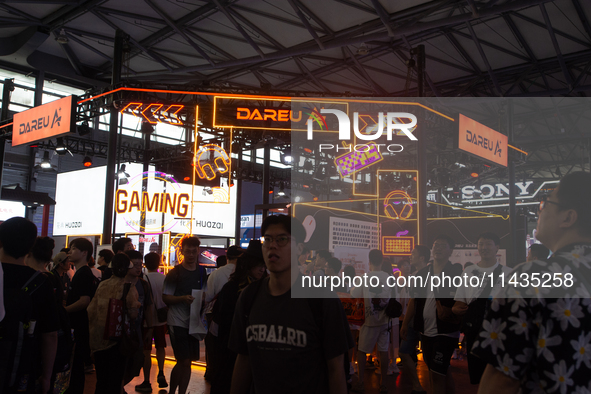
x,y
234,251
255,249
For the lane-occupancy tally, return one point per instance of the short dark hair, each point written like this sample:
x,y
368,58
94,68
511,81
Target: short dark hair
x,y
134,255
324,254
292,225
119,245
221,261
450,241
424,252
107,255
573,193
490,236
402,262
540,251
152,261
190,242
17,236
335,264
120,264
43,249
83,245
375,257
349,271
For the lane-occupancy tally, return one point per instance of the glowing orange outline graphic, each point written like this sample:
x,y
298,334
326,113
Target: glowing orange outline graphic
x,y
170,116
206,171
385,238
153,112
138,105
402,195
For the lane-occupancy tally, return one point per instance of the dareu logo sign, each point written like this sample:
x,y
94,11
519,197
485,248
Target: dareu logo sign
x,y
482,141
388,119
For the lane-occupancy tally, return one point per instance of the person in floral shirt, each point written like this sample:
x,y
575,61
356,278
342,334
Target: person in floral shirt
x,y
537,333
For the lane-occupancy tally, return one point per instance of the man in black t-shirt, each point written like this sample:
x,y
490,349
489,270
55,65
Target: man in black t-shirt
x,y
82,289
33,312
285,344
178,286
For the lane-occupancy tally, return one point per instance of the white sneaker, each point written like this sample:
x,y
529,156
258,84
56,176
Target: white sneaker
x,y
393,369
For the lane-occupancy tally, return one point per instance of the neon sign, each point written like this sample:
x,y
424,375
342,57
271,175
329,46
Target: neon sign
x,y
398,205
156,115
350,163
220,160
160,202
397,246
277,115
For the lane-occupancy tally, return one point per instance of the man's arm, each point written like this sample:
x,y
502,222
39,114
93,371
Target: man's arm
x,y
336,375
79,305
494,381
242,375
460,308
48,351
410,315
173,300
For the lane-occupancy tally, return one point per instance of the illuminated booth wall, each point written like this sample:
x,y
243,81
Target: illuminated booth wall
x,y
82,214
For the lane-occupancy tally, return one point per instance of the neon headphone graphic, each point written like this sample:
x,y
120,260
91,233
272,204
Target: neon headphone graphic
x,y
398,205
206,171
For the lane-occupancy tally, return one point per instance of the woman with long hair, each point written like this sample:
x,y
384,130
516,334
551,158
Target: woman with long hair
x,y
249,268
108,360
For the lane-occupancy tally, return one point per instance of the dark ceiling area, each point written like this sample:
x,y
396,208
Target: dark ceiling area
x,y
358,48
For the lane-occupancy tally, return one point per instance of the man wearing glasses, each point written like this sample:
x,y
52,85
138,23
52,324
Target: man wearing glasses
x,y
535,336
430,311
285,344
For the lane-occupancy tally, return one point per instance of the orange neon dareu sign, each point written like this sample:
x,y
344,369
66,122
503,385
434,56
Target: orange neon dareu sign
x,y
482,141
276,115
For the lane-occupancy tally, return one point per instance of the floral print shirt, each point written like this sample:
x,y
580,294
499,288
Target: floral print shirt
x,y
540,332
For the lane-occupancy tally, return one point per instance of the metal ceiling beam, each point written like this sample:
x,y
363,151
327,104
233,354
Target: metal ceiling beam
x,y
491,45
582,17
306,23
135,42
96,51
257,29
221,7
565,70
18,12
543,26
130,15
384,17
179,31
318,20
71,56
238,7
523,42
456,44
340,41
358,6
68,13
226,36
492,75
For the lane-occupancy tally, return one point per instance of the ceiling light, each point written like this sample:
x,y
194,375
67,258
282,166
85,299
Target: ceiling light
x,y
62,38
84,129
60,147
45,163
122,175
281,189
286,157
87,161
363,49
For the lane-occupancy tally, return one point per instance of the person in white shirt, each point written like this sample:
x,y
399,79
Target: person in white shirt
x,y
471,302
375,328
218,278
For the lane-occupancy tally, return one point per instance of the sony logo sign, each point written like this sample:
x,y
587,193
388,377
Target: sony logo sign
x,y
389,119
496,190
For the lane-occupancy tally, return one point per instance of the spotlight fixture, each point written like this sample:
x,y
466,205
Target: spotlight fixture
x,y
87,161
46,162
474,175
83,129
271,190
122,175
363,49
62,38
281,189
286,157
60,147
147,128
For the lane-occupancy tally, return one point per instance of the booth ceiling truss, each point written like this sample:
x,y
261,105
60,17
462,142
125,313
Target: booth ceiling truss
x,y
479,48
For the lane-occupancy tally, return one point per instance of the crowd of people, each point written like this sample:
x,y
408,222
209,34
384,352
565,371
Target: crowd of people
x,y
61,317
